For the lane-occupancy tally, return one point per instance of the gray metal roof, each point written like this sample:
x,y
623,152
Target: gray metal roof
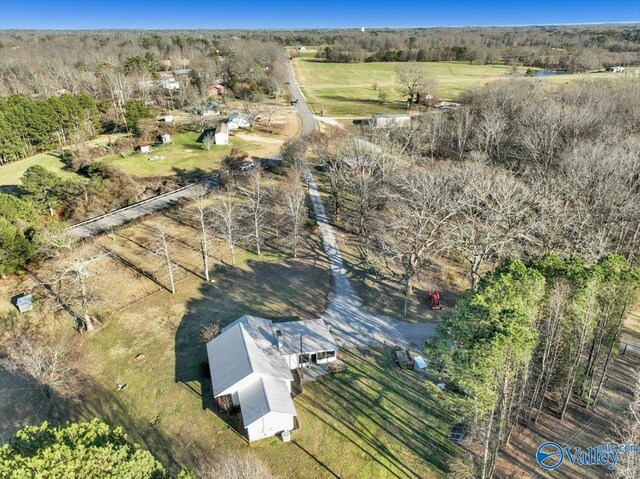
x,y
315,336
242,349
262,397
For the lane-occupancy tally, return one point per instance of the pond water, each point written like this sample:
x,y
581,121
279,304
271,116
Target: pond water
x,y
548,73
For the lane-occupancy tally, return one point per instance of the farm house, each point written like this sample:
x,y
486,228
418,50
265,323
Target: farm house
x,y
251,362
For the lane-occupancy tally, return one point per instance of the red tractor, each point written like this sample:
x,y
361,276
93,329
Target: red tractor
x,y
434,299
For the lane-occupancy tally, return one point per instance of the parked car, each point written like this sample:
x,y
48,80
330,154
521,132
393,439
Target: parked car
x,y
246,166
294,102
460,433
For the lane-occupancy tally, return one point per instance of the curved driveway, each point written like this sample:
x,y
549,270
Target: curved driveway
x,y
346,314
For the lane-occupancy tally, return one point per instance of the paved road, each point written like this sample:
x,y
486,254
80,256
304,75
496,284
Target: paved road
x,y
309,122
124,215
346,314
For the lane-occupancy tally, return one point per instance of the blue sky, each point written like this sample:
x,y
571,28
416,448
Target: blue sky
x,y
182,14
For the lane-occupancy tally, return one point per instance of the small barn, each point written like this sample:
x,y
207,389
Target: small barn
x,y
164,138
222,134
143,148
390,121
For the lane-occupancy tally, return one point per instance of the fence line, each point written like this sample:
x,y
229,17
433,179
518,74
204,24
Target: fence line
x,y
135,205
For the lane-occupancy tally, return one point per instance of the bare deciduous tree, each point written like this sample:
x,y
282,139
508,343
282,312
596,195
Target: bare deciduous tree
x,y
163,250
208,140
414,79
45,362
202,214
293,197
226,219
255,193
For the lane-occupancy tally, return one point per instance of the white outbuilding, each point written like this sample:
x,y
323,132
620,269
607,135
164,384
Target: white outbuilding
x,y
222,134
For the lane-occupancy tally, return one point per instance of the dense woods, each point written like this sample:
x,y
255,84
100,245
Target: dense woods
x,y
530,330
565,48
28,126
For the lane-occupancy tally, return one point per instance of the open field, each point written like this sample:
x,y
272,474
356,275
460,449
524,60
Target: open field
x,y
10,174
347,88
339,89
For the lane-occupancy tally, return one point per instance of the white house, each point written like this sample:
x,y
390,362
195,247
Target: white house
x,y
250,364
237,120
390,121
169,83
615,70
164,138
165,118
222,134
208,108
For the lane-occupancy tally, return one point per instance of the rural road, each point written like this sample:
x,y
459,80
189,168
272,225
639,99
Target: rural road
x,y
347,316
119,217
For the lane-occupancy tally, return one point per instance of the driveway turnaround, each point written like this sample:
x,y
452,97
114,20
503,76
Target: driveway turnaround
x,y
347,316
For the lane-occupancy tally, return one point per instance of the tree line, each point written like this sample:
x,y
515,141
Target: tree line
x,y
562,47
532,337
28,126
115,67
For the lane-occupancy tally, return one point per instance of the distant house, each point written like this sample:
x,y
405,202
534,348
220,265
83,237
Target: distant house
x,y
390,121
146,84
425,98
222,134
251,362
300,48
215,90
209,108
237,120
143,148
164,138
165,118
170,84
615,70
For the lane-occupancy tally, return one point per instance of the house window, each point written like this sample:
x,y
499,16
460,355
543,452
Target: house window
x,y
326,355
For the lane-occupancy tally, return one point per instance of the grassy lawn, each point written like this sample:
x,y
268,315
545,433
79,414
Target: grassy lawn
x,y
346,89
11,174
371,420
184,154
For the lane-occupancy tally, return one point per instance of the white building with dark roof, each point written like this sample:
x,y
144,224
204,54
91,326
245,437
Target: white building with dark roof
x,y
251,362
